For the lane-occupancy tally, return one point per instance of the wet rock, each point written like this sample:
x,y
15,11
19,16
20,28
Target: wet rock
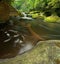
x,y
45,52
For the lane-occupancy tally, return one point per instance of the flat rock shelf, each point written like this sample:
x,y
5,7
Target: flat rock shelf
x,y
45,52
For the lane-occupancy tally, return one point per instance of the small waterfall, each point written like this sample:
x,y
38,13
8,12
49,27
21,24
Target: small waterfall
x,y
25,16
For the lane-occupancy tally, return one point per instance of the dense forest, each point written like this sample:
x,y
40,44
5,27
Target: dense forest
x,y
39,8
24,23
47,6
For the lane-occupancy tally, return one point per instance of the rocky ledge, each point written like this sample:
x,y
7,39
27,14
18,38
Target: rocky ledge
x,y
45,52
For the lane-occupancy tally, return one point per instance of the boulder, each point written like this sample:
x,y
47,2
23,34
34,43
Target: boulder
x,y
45,52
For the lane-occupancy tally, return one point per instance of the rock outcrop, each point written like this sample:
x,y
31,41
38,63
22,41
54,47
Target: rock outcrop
x,y
45,52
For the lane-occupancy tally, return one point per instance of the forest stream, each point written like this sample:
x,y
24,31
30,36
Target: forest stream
x,y
29,32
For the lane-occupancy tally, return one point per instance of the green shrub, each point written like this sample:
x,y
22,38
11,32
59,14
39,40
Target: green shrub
x,y
51,18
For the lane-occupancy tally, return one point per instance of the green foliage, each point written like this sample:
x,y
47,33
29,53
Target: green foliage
x,y
41,5
52,18
8,1
37,14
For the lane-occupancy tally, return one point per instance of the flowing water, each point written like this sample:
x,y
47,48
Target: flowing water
x,y
47,30
17,40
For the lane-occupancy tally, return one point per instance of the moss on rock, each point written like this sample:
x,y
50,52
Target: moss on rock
x,y
45,52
